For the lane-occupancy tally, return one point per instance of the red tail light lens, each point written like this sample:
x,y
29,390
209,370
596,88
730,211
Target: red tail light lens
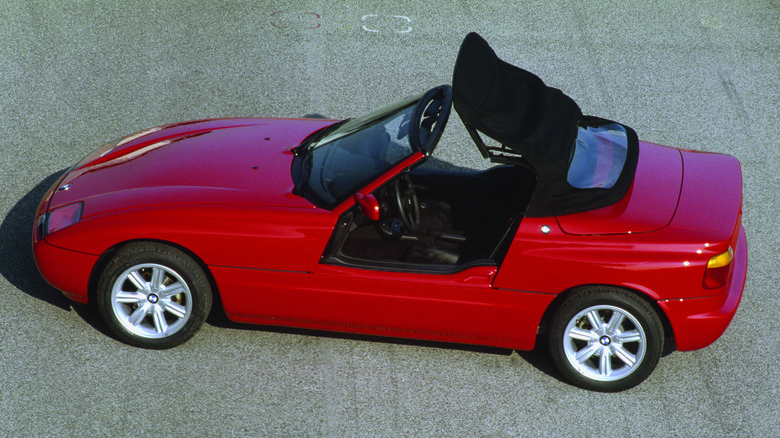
x,y
718,268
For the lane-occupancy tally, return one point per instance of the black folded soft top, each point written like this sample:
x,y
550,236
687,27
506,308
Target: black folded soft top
x,y
537,126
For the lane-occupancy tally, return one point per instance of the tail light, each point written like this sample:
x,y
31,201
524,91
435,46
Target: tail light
x,y
718,268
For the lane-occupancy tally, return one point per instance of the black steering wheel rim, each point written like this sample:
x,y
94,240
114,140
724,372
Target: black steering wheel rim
x,y
408,205
430,117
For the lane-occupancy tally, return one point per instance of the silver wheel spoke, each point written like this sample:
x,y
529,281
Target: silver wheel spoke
x,y
595,319
175,309
138,315
172,290
624,355
159,320
158,275
138,281
130,297
629,336
586,353
582,335
615,321
605,363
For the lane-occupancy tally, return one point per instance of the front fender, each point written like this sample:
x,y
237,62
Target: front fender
x,y
254,237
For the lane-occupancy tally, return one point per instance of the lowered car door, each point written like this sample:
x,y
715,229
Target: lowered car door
x,y
458,307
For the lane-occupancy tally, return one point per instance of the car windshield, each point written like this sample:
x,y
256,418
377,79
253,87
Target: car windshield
x,y
357,151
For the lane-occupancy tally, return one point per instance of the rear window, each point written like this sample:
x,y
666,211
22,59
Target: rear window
x,y
599,156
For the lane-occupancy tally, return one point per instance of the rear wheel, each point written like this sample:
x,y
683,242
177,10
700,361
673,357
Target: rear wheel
x,y
153,296
606,339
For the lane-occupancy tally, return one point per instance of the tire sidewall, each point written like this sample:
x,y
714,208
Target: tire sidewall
x,y
627,302
171,258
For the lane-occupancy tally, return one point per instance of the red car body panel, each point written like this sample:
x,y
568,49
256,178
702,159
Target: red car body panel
x,y
72,278
462,307
256,237
649,205
699,322
228,200
243,161
712,194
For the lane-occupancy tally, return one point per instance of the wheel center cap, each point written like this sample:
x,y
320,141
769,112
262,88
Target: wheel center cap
x,y
604,340
153,298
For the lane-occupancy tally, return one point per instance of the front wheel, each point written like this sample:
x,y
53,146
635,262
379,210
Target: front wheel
x,y
605,339
153,296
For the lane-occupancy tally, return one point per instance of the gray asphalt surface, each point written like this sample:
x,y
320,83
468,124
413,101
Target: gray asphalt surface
x,y
76,74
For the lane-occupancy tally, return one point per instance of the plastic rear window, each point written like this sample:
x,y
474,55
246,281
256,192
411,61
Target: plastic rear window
x,y
599,156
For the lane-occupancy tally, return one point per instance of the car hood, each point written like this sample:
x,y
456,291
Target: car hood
x,y
650,203
237,161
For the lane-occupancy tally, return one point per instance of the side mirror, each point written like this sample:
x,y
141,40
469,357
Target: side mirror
x,y
368,205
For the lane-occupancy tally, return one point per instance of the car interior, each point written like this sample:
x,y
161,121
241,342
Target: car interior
x,y
436,220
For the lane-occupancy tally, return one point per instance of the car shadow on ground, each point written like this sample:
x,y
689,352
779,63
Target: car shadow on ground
x,y
539,357
17,264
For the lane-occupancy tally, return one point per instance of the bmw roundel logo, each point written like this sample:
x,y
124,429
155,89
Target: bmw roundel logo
x,y
153,298
604,340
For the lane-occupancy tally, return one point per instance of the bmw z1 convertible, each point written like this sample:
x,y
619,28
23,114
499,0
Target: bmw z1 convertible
x,y
603,246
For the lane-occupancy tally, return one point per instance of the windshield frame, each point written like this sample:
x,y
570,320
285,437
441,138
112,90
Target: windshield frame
x,y
330,138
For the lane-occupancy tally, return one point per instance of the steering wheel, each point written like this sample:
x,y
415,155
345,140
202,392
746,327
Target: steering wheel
x,y
408,206
430,117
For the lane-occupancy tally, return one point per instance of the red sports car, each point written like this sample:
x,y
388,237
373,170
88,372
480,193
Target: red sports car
x,y
606,245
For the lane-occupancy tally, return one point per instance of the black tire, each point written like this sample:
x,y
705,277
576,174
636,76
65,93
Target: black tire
x,y
153,295
620,352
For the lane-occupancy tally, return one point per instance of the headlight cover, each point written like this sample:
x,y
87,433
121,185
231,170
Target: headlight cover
x,y
59,218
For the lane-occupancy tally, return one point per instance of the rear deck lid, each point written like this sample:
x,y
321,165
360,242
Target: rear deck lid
x,y
649,204
711,198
